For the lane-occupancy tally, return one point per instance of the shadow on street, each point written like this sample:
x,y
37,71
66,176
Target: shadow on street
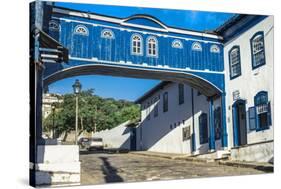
x,y
110,172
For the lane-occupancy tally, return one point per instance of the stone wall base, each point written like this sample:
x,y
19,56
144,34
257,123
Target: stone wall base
x,y
56,165
259,152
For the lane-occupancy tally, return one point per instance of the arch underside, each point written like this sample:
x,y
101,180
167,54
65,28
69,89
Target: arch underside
x,y
204,86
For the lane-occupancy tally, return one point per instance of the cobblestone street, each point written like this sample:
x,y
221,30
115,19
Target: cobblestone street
x,y
98,168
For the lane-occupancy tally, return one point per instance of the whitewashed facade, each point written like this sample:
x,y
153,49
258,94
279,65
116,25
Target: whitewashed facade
x,y
164,131
248,62
258,142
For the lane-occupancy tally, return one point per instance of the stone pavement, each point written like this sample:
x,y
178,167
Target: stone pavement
x,y
98,168
266,167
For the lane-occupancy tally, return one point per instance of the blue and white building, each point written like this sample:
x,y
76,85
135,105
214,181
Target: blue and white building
x,y
172,110
217,94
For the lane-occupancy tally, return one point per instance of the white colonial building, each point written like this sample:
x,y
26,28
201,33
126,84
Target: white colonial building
x,y
175,117
47,101
248,61
171,115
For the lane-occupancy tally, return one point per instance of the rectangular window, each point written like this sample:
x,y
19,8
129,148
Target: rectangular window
x,y
263,116
234,62
257,49
181,93
263,112
165,102
203,128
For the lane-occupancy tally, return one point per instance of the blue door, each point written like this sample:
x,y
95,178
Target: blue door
x,y
239,123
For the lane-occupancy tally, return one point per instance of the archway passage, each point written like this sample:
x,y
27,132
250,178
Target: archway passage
x,y
208,88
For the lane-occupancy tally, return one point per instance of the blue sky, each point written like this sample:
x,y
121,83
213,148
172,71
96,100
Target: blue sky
x,y
130,88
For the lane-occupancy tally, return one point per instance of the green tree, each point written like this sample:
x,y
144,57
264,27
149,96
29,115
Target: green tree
x,y
95,113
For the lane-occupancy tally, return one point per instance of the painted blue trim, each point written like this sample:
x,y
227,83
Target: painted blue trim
x,y
252,55
252,117
224,125
239,29
229,61
262,93
236,126
212,144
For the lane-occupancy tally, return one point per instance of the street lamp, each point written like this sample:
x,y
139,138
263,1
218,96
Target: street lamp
x,y
76,89
53,111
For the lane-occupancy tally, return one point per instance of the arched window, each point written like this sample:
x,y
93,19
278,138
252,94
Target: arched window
x,y
263,113
196,46
81,30
108,34
152,46
54,25
136,44
177,44
214,49
257,50
234,62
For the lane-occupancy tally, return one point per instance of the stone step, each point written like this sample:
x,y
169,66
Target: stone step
x,y
50,178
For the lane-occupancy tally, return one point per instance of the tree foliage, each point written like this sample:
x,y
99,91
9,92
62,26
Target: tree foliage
x,y
95,113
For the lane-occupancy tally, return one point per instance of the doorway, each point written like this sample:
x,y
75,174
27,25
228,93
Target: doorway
x,y
239,123
133,137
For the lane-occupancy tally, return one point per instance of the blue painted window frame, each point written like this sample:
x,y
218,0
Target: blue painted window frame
x,y
252,118
181,93
203,128
261,101
252,50
230,62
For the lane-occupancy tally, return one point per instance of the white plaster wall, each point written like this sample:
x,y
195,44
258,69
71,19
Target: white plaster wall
x,y
156,132
117,137
251,81
258,153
